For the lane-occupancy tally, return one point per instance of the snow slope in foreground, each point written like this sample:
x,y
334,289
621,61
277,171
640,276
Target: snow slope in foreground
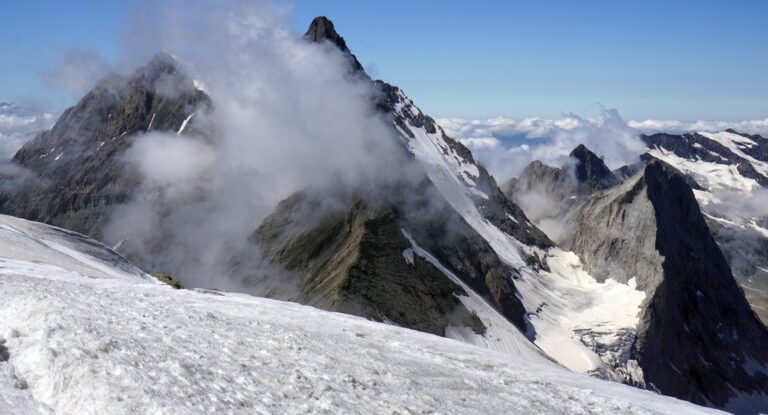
x,y
87,333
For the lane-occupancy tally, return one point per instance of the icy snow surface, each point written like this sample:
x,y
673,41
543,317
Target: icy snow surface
x,y
721,181
712,176
500,334
184,123
86,333
151,121
736,143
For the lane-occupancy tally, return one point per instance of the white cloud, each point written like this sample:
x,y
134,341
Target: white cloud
x,y
532,127
486,143
750,126
507,145
18,125
76,71
287,117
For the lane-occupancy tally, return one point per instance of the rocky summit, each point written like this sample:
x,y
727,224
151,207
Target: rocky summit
x,y
79,161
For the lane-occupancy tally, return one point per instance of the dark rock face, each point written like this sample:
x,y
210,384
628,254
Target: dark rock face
x,y
744,247
355,259
587,175
760,151
627,171
698,337
321,29
79,161
538,176
590,170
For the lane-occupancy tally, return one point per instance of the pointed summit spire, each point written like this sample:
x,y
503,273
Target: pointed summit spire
x,y
591,169
322,29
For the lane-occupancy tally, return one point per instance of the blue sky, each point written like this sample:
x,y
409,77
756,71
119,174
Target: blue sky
x,y
685,60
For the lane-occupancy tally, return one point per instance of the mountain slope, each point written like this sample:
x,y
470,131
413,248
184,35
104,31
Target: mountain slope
x,y
364,260
103,340
78,161
731,173
582,323
360,258
550,195
590,170
649,231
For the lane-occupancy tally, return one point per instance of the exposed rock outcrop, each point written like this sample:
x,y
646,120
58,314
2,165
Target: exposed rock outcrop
x,y
321,29
590,170
550,195
698,338
728,169
78,161
356,259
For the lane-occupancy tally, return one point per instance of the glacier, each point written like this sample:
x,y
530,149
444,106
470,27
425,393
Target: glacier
x,y
83,331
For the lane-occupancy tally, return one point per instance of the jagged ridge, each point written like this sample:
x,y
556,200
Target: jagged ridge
x,y
697,336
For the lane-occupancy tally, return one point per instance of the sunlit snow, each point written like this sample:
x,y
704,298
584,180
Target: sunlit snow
x,y
85,332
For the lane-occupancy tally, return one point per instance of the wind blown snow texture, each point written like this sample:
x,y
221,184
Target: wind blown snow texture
x,y
85,332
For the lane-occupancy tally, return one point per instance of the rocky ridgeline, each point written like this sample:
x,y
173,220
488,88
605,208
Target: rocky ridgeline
x,y
697,338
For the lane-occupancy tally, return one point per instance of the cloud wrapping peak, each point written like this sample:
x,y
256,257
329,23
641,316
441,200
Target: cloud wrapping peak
x,y
287,116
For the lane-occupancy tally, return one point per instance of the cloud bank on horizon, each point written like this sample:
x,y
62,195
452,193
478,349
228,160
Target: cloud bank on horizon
x,y
19,124
507,145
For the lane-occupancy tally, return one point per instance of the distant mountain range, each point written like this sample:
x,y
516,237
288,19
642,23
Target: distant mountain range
x,y
636,286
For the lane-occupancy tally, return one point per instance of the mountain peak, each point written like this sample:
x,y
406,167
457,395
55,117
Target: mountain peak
x,y
162,63
650,230
590,168
321,29
163,58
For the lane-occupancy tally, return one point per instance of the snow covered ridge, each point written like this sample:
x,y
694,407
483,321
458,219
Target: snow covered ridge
x,y
84,332
717,161
582,324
